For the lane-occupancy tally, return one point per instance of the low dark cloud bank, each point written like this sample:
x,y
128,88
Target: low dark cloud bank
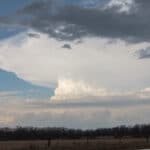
x,y
116,102
69,22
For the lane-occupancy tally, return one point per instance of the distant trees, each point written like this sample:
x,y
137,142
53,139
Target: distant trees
x,y
30,133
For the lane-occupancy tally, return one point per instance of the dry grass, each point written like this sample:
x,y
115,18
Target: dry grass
x,y
97,144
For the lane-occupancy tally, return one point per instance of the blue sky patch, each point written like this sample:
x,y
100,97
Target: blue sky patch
x,y
10,82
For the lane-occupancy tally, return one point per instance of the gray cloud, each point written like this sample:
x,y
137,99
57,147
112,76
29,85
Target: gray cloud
x,y
33,35
44,113
70,119
144,53
116,102
69,22
67,46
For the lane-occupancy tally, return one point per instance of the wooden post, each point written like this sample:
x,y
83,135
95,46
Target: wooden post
x,y
49,142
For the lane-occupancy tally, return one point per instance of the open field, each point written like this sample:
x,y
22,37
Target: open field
x,y
96,144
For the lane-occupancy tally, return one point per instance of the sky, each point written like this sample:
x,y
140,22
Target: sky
x,y
74,63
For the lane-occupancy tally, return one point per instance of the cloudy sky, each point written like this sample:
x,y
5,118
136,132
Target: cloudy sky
x,y
74,63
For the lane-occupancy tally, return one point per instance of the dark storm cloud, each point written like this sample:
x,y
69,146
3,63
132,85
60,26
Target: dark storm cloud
x,y
69,22
144,53
33,35
67,46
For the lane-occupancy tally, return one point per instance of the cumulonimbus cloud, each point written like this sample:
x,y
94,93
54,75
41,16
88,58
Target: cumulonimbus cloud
x,y
51,62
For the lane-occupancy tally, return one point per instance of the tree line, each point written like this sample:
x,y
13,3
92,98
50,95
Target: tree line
x,y
31,133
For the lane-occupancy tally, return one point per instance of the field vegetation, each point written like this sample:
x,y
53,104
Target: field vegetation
x,y
118,138
82,144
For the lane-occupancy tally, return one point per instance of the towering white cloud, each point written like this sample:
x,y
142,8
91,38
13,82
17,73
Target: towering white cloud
x,y
73,90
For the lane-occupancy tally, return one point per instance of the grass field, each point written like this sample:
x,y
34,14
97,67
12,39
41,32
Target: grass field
x,y
97,144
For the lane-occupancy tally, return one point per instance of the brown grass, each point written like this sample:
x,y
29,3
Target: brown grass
x,y
97,144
